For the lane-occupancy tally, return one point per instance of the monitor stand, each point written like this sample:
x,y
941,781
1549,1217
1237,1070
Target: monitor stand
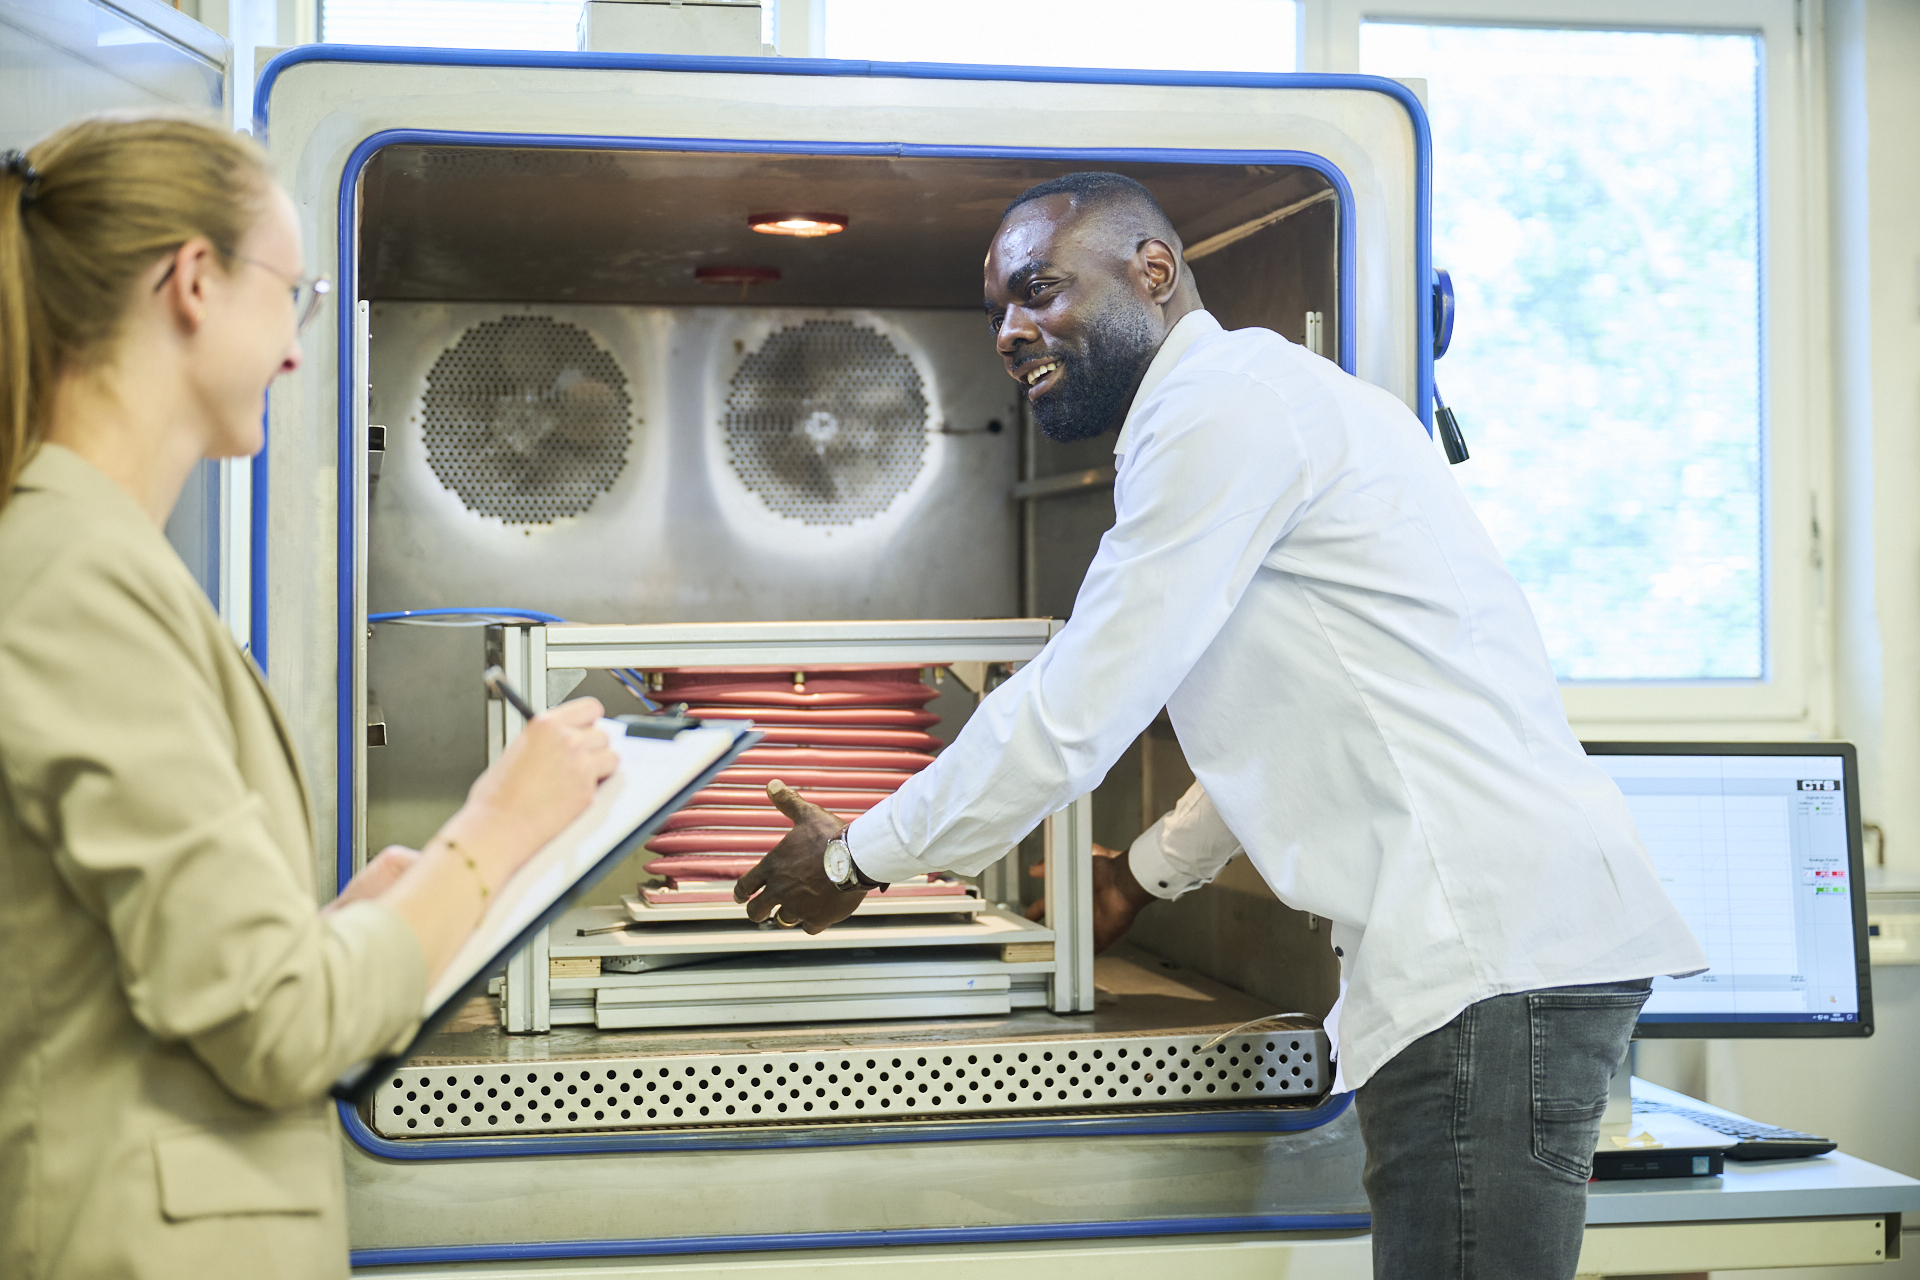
x,y
1656,1146
1618,1118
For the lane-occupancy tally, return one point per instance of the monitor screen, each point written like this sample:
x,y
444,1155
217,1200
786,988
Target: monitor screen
x,y
1758,845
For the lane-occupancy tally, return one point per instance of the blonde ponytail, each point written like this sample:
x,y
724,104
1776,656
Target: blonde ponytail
x,y
83,214
17,322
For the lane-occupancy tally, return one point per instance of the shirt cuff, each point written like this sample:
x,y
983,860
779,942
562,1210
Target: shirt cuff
x,y
878,852
1147,858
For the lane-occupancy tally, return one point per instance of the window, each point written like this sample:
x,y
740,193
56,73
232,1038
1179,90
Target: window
x,y
1625,195
455,24
1069,33
1596,199
1621,197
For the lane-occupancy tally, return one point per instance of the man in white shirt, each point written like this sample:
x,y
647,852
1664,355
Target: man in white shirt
x,y
1365,700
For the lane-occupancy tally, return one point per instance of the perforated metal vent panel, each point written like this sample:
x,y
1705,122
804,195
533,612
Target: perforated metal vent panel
x,y
527,419
1095,1074
826,422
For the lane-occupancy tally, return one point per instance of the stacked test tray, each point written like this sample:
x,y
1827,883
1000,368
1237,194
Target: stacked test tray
x,y
589,972
687,956
844,740
609,971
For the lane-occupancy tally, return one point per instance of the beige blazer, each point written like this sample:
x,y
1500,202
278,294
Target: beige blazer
x,y
172,1008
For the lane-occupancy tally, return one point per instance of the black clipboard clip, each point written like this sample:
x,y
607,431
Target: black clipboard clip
x,y
664,723
668,722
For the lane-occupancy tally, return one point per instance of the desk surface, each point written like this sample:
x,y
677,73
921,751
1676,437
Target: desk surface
x,y
1831,1186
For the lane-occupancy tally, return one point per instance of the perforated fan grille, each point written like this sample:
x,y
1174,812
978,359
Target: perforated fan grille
x,y
1099,1074
527,419
826,423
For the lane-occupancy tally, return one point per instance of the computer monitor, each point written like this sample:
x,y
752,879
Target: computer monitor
x,y
1758,845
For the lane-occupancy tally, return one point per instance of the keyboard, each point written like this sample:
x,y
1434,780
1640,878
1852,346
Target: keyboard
x,y
1756,1141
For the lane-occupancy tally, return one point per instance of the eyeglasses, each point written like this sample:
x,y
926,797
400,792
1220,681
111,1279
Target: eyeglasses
x,y
307,290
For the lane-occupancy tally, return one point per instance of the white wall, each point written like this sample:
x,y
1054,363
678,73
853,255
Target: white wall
x,y
1873,74
253,25
1861,1092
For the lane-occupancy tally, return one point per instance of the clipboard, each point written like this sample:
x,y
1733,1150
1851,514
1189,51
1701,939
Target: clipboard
x,y
517,915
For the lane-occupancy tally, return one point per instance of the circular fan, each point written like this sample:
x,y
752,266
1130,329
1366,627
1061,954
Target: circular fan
x,y
827,422
527,419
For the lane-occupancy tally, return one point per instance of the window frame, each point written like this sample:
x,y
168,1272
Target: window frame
x,y
1794,698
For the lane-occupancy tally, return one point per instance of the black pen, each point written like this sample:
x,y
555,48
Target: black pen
x,y
666,724
496,682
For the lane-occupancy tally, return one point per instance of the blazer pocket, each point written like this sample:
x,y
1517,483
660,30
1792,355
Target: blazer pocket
x,y
282,1166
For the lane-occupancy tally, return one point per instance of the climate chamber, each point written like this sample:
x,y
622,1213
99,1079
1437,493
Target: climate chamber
x,y
574,390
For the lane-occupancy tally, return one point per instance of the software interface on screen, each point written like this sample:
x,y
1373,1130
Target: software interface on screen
x,y
1753,851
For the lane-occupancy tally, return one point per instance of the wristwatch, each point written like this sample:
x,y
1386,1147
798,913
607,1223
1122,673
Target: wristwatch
x,y
838,863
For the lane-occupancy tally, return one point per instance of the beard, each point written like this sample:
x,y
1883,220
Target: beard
x,y
1096,383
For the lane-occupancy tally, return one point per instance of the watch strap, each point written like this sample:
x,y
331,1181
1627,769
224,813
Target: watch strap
x,y
860,877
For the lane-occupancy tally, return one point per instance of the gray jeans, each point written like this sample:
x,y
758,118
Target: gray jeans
x,y
1480,1135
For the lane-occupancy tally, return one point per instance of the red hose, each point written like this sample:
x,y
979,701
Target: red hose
x,y
710,840
818,693
756,798
760,775
847,739
707,894
701,867
857,717
835,758
765,817
780,735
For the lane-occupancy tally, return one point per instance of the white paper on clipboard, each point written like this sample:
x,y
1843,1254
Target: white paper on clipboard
x,y
652,772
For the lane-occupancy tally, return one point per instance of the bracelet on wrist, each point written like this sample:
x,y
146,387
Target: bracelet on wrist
x,y
479,879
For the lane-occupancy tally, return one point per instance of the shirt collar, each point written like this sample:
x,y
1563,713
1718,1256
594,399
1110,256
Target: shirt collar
x,y
1188,330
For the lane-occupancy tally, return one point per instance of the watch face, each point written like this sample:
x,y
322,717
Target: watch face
x,y
839,862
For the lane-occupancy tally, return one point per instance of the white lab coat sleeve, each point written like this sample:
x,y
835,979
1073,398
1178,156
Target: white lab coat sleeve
x,y
1185,849
1215,474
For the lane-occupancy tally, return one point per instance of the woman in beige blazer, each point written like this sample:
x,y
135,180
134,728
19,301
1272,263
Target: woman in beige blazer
x,y
172,1005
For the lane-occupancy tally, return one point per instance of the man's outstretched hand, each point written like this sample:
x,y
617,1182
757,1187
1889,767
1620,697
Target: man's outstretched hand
x,y
1117,896
790,884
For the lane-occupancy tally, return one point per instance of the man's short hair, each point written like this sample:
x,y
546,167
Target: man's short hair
x,y
1096,189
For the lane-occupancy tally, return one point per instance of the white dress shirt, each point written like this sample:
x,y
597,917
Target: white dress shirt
x,y
1354,677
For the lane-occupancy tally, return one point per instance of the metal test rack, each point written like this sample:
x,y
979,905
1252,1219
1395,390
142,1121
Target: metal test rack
x,y
548,662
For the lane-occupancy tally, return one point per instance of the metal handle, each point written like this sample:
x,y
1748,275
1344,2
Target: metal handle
x,y
1449,429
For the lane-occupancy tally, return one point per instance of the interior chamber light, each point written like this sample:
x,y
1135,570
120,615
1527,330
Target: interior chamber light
x,y
784,223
